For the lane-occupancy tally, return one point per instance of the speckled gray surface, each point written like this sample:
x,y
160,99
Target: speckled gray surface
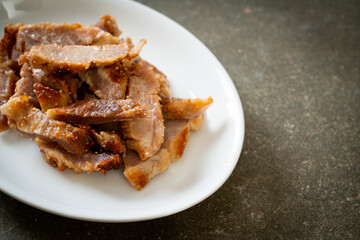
x,y
296,67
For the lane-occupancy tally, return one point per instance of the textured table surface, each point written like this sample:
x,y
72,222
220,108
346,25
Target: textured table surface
x,y
296,66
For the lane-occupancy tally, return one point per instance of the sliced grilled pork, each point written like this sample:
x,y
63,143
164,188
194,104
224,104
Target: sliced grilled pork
x,y
8,77
195,123
98,111
145,136
77,58
25,86
177,133
108,24
9,39
25,118
157,75
138,172
60,33
177,108
50,98
107,82
62,87
108,141
87,162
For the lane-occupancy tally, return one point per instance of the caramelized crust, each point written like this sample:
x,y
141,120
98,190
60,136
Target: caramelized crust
x,y
50,98
88,162
109,142
138,172
177,108
108,24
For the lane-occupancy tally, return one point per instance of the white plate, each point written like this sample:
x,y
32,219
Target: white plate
x,y
209,158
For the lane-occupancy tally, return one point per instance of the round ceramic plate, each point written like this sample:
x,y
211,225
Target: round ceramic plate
x,y
193,71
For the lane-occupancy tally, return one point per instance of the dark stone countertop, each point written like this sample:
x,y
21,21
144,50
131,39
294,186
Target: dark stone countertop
x,y
296,67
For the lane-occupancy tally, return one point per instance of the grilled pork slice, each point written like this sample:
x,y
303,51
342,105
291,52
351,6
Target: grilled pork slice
x,y
55,89
88,162
162,83
98,111
75,58
145,136
50,98
177,108
60,33
108,24
195,123
23,117
108,141
9,39
177,133
8,77
25,86
139,173
107,82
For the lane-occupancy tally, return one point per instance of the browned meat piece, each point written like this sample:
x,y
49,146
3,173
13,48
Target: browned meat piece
x,y
157,75
107,82
195,123
145,135
73,83
177,133
138,172
108,24
60,33
50,98
88,162
98,111
62,86
145,80
8,77
25,118
177,108
9,39
109,142
25,86
76,58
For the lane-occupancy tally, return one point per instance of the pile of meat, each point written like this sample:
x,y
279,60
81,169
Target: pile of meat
x,y
90,102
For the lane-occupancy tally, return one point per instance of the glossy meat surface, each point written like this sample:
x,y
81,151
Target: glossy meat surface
x,y
109,141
